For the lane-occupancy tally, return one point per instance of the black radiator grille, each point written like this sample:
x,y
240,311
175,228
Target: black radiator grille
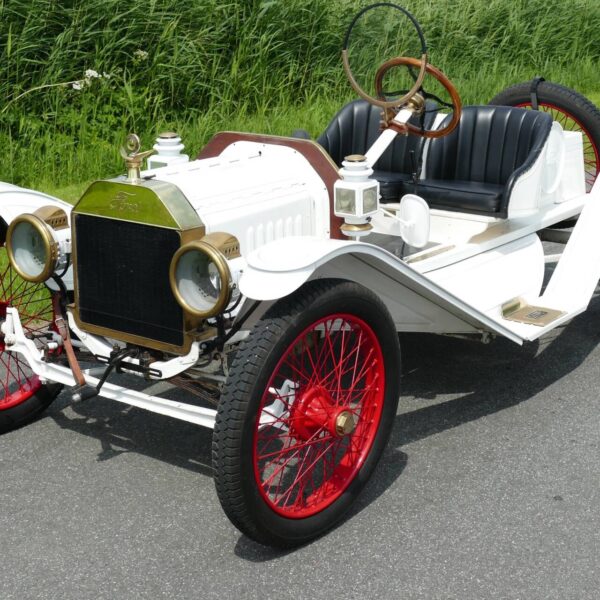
x,y
123,278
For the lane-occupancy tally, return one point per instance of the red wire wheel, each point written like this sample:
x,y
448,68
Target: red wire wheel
x,y
308,406
319,416
22,395
571,109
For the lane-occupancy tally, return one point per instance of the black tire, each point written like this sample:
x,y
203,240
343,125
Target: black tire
x,y
299,329
31,409
22,397
570,108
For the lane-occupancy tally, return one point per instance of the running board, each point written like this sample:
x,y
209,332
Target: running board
x,y
572,284
538,324
577,273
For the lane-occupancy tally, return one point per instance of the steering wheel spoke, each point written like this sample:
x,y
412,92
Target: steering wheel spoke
x,y
456,105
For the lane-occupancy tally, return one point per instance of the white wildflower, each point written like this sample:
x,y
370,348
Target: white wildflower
x,y
106,75
91,74
77,85
140,55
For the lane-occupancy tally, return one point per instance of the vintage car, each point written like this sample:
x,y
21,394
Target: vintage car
x,y
270,284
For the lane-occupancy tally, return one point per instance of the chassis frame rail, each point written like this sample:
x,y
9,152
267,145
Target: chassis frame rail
x,y
16,341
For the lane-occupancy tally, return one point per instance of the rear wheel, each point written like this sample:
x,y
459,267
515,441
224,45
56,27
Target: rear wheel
x,y
22,394
306,412
571,109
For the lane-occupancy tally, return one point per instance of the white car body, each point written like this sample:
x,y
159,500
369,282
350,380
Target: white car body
x,y
268,195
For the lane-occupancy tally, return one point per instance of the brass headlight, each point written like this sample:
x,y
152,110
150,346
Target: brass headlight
x,y
32,248
200,279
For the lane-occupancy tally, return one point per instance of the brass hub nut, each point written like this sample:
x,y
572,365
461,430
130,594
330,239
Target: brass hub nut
x,y
344,423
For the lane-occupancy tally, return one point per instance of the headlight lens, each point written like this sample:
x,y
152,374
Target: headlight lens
x,y
32,248
200,279
370,199
345,201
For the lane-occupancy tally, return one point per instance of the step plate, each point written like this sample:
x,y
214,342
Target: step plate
x,y
534,315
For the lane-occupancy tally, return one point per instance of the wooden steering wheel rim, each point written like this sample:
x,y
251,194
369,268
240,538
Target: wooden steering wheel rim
x,y
421,63
437,74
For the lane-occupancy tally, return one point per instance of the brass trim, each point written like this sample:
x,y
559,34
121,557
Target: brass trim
x,y
130,153
351,228
150,202
345,423
50,246
417,104
519,311
157,204
218,258
53,216
512,306
226,243
129,338
355,158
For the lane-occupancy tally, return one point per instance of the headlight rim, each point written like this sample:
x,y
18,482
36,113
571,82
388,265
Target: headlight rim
x,y
51,247
219,260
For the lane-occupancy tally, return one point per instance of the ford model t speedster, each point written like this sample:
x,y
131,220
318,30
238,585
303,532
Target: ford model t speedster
x,y
271,284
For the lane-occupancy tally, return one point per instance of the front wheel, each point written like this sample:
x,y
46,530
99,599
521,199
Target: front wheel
x,y
22,395
306,412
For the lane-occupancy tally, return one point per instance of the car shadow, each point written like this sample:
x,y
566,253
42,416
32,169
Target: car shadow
x,y
120,429
478,380
481,380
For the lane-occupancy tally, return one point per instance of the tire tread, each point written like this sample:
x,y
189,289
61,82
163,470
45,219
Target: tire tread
x,y
233,408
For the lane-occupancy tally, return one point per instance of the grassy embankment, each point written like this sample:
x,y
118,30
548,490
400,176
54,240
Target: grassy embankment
x,y
269,66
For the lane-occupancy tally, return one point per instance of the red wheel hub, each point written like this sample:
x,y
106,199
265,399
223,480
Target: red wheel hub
x,y
319,416
314,411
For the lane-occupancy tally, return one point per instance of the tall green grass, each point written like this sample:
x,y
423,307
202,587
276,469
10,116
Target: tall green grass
x,y
268,65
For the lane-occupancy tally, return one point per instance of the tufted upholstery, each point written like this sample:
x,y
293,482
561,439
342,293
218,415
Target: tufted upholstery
x,y
475,168
354,129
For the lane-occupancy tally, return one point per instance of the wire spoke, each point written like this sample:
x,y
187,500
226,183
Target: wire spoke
x,y
34,303
302,462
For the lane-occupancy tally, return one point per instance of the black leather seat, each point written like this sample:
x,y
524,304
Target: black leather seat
x,y
475,168
354,129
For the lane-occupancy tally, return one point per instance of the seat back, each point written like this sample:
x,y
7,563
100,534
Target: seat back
x,y
357,125
489,145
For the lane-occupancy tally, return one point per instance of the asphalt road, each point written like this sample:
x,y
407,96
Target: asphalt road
x,y
490,488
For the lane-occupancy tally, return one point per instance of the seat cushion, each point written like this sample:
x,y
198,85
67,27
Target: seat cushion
x,y
491,147
356,127
392,185
463,196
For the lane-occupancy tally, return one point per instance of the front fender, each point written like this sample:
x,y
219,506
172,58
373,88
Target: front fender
x,y
15,201
416,303
279,268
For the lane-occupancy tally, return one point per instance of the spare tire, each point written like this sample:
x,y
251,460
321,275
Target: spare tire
x,y
570,108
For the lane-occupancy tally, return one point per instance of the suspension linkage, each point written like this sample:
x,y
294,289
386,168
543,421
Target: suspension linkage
x,y
114,362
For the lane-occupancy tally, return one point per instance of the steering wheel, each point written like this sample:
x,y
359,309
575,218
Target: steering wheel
x,y
456,104
422,64
416,95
